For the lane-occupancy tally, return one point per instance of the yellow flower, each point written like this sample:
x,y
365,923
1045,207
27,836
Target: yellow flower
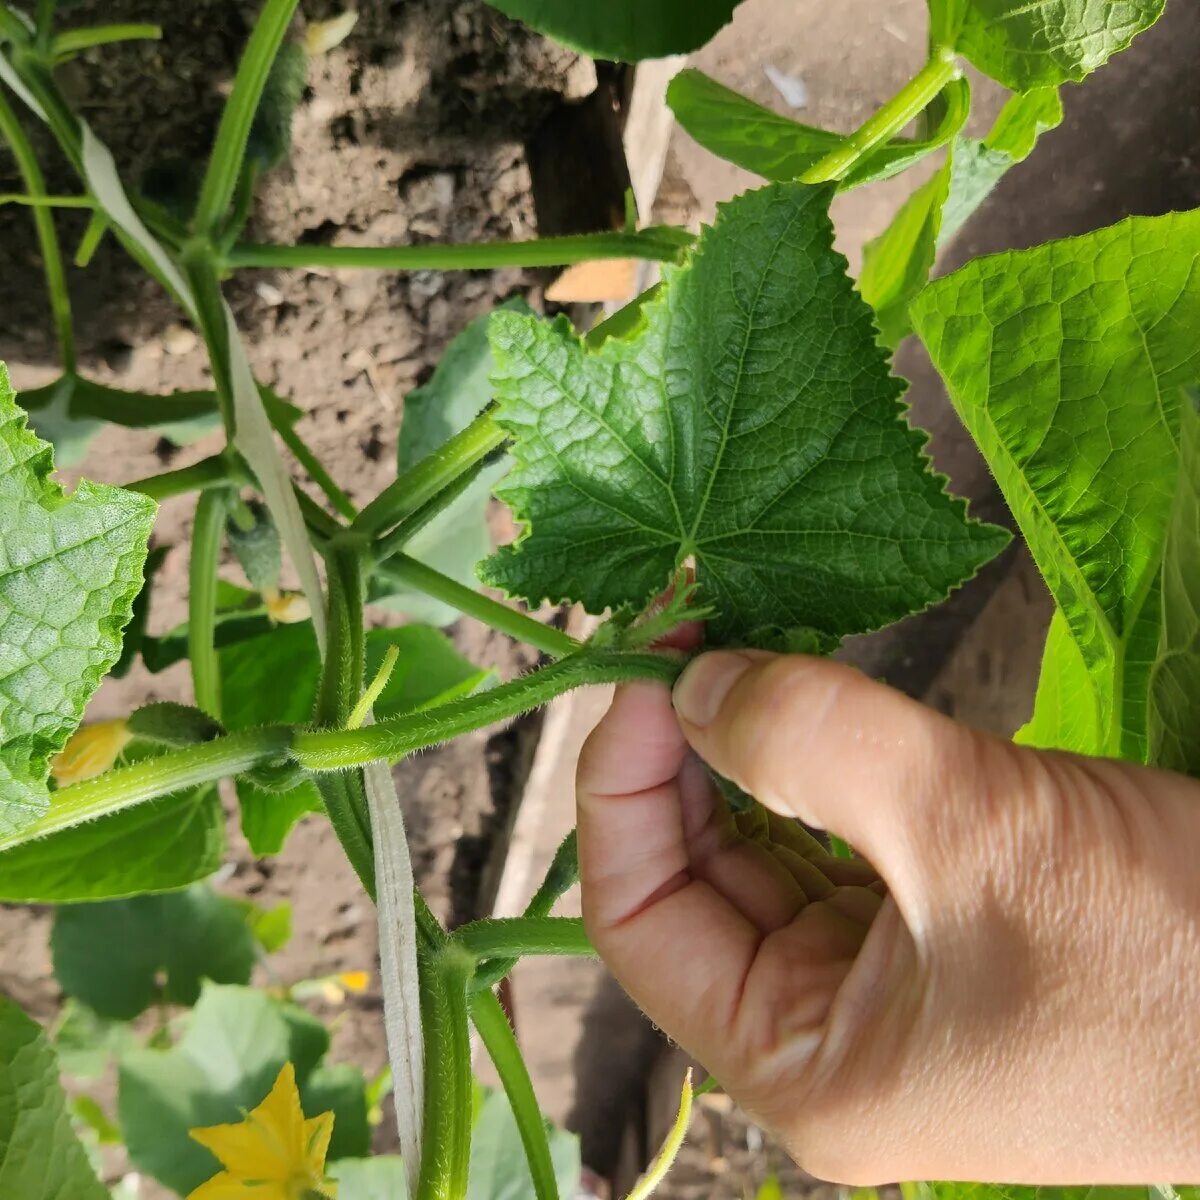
x,y
274,1154
354,981
90,751
286,608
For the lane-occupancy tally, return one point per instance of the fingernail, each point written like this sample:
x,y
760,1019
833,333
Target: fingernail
x,y
701,689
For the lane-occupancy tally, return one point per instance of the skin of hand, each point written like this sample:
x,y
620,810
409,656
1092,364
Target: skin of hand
x,y
1015,996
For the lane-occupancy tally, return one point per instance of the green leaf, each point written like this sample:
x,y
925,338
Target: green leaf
x,y
255,543
135,631
1175,681
121,956
166,723
70,567
272,927
40,1156
268,817
235,1043
85,1042
896,265
499,1170
978,165
154,847
341,1089
379,1178
1064,362
457,538
624,30
780,149
1034,43
752,424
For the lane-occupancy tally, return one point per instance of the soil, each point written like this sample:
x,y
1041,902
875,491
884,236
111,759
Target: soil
x,y
413,130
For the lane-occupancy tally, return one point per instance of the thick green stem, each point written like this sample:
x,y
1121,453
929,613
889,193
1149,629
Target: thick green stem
x,y
336,750
656,244
501,1044
150,779
906,104
43,221
211,472
421,482
342,674
446,1145
229,149
207,531
513,937
475,604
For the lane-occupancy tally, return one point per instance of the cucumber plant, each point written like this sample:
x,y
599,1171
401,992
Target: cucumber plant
x,y
735,439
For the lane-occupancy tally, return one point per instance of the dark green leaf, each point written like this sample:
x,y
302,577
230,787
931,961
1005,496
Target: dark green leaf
x,y
1175,682
1034,43
236,1041
70,567
169,724
778,148
153,847
40,1156
342,1090
752,424
121,956
1064,362
624,30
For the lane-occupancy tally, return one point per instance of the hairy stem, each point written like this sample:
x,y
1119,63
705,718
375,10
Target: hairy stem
x,y
202,600
332,751
471,603
424,480
513,937
906,104
655,244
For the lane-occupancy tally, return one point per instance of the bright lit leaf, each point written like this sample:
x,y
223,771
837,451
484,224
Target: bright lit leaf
x,y
750,424
1065,363
70,567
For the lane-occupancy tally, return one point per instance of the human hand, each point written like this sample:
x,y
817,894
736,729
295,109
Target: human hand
x,y
1017,1000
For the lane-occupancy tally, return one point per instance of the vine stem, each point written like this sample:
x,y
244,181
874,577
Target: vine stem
x,y
906,104
524,628
511,937
202,599
654,244
214,471
338,750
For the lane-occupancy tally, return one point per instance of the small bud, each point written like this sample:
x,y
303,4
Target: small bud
x,y
322,36
91,750
286,608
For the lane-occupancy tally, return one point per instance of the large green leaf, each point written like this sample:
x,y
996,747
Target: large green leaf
x,y
457,538
624,30
750,423
897,264
40,1156
780,149
121,956
70,567
499,1169
1033,43
1175,682
1065,363
235,1043
148,848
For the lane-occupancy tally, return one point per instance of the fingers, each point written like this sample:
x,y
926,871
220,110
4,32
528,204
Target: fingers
x,y
817,740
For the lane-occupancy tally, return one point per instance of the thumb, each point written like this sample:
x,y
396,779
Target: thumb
x,y
818,740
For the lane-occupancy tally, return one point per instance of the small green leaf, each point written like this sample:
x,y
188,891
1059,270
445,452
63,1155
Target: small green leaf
x,y
233,1047
166,723
896,265
255,543
268,817
780,149
272,927
1175,681
1037,43
121,956
1065,363
751,424
154,847
624,30
457,538
40,1156
70,567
